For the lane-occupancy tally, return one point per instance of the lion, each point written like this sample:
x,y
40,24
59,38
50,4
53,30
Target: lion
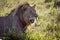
x,y
18,19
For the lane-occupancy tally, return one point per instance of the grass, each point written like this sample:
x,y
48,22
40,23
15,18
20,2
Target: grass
x,y
47,25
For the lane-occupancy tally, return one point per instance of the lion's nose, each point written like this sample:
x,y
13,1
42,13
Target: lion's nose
x,y
32,20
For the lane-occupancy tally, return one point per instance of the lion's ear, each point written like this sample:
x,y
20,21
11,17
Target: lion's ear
x,y
23,8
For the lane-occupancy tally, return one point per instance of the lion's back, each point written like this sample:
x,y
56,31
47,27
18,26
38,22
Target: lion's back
x,y
4,23
1,25
1,21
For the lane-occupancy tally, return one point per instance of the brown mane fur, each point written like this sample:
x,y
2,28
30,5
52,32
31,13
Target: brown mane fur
x,y
14,22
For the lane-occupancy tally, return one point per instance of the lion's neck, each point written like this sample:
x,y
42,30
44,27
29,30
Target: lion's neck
x,y
22,23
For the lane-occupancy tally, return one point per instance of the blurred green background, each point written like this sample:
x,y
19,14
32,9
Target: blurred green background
x,y
47,25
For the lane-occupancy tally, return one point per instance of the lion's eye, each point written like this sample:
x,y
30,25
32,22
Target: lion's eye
x,y
35,15
24,9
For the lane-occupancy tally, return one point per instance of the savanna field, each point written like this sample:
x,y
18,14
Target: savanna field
x,y
46,26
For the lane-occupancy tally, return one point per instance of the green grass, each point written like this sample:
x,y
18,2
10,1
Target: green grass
x,y
47,26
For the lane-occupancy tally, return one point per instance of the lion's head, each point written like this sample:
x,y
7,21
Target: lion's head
x,y
27,14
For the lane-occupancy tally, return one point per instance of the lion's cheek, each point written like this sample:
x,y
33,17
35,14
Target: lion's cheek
x,y
26,19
